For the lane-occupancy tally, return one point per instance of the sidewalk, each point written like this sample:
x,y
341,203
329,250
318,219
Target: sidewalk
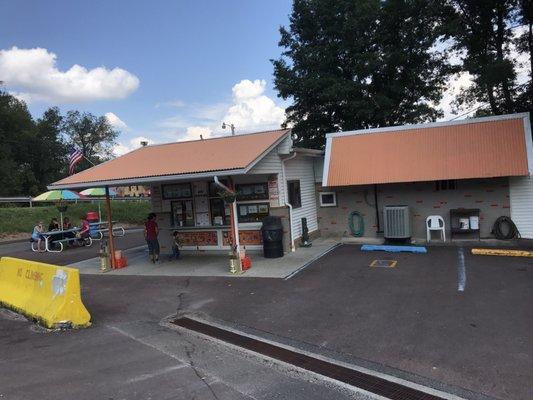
x,y
203,263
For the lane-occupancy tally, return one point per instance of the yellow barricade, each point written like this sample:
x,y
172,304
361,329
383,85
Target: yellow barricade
x,y
47,293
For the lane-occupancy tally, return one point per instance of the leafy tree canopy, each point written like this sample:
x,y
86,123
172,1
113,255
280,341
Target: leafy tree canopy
x,y
360,64
34,153
490,36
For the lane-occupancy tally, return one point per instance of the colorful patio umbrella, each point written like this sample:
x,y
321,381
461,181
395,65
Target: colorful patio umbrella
x,y
98,192
59,196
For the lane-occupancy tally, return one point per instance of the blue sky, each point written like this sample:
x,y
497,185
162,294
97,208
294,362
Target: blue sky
x,y
168,70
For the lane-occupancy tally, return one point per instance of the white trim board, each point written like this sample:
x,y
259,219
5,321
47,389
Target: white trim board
x,y
325,170
428,125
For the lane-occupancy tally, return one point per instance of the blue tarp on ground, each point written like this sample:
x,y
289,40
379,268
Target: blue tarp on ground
x,y
394,249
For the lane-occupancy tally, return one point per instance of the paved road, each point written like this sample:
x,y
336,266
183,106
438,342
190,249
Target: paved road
x,y
410,321
133,238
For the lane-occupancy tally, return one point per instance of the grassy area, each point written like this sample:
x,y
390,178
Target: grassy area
x,y
23,219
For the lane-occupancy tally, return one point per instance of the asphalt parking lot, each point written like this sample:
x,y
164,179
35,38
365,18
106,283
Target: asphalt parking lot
x,y
410,321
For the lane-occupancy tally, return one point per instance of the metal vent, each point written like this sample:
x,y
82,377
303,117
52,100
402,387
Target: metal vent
x,y
396,222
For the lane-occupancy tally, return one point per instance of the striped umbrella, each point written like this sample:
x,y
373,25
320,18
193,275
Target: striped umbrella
x,y
59,196
98,192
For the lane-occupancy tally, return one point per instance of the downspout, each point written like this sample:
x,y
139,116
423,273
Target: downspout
x,y
234,218
285,196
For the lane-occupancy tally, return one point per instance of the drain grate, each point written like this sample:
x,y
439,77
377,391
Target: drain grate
x,y
383,263
370,383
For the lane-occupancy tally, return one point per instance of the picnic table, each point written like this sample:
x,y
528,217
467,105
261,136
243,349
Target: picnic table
x,y
98,233
61,239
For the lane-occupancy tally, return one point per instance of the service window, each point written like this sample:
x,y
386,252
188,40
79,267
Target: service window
x,y
220,212
328,199
182,213
295,198
252,212
177,191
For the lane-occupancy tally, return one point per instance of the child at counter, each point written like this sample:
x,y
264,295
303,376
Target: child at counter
x,y
176,244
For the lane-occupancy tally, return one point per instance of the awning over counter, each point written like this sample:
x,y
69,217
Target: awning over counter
x,y
474,148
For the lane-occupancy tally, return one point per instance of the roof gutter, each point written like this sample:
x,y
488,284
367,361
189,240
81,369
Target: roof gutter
x,y
144,180
235,219
285,196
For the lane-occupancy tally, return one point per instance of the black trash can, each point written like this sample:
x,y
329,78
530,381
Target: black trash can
x,y
272,232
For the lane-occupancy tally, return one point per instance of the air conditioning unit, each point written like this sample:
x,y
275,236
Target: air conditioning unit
x,y
396,222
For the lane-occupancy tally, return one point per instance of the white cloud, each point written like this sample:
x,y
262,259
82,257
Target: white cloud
x,y
251,109
171,103
116,122
122,148
33,75
455,85
194,132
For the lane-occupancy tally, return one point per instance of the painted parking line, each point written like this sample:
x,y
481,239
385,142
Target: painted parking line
x,y
308,263
461,270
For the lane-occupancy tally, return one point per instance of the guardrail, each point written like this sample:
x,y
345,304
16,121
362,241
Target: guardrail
x,y
17,200
29,200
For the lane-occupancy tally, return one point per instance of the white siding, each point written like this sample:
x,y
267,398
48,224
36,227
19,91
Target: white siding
x,y
271,164
301,168
521,201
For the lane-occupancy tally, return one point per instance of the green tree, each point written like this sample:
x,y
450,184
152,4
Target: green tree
x,y
93,135
50,142
359,64
482,32
17,131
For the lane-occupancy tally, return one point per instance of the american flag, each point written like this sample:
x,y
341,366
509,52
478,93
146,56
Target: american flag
x,y
74,158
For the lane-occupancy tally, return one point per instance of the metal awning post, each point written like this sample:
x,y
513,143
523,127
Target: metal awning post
x,y
110,226
234,223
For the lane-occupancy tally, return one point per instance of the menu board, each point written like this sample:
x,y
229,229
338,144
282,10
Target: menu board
x,y
202,219
177,191
200,188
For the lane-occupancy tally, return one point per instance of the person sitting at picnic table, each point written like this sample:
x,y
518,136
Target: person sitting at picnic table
x,y
67,225
54,226
83,233
37,235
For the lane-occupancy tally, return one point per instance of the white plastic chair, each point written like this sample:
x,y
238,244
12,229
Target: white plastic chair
x,y
435,223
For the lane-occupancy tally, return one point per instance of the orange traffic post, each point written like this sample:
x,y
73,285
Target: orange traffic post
x,y
110,226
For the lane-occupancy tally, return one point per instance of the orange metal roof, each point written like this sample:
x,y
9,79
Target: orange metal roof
x,y
180,158
486,147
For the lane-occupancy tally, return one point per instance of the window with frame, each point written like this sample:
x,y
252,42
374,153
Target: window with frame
x,y
295,197
448,184
254,191
182,213
220,212
176,191
252,212
328,199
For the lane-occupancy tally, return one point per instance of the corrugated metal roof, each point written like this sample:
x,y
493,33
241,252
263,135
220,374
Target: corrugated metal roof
x,y
180,158
487,147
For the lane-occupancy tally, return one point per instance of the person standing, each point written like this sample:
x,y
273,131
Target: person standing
x,y
151,231
176,244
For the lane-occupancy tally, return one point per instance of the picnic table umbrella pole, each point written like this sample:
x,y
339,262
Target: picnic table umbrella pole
x,y
98,192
